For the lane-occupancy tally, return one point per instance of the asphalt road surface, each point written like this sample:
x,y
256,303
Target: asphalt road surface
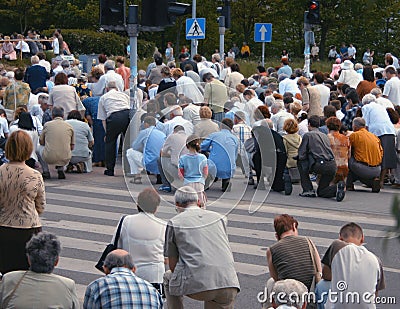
x,y
84,209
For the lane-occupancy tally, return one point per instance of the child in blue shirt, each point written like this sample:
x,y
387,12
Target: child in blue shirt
x,y
193,168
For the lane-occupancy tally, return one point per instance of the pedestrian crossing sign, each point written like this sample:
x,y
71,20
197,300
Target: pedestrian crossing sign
x,y
195,28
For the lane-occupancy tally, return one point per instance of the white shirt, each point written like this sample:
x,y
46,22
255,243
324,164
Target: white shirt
x,y
24,48
3,127
392,90
143,236
360,270
351,51
288,85
339,114
56,46
279,120
384,102
324,93
168,127
45,64
350,77
186,86
303,127
250,106
377,119
192,113
112,101
99,88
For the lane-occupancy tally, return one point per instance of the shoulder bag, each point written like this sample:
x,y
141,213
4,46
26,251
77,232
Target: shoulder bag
x,y
110,247
317,275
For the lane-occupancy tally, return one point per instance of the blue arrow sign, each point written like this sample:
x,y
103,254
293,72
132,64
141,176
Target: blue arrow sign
x,y
195,28
262,32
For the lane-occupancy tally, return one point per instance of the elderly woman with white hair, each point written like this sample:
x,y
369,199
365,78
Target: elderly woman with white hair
x,y
378,122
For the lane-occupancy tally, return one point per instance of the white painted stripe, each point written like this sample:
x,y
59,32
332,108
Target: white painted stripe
x,y
218,205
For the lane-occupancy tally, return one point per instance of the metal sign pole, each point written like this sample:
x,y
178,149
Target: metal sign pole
x,y
263,54
221,28
133,32
193,47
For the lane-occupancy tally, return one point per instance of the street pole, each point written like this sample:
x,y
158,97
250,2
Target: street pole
x,y
263,54
307,31
133,32
221,22
193,44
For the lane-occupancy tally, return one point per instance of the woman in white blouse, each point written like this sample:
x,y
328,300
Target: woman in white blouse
x,y
143,236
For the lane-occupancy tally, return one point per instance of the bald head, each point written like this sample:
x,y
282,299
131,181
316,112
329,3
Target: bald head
x,y
118,258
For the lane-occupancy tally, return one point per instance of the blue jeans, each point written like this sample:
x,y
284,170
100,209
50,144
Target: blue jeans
x,y
321,293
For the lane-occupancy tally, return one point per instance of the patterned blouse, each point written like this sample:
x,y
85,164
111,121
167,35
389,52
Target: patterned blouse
x,y
22,197
16,94
340,145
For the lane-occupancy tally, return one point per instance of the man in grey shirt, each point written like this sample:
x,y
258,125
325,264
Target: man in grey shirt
x,y
200,258
315,155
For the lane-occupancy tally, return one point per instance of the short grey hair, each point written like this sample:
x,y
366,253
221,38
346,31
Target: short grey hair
x,y
359,122
277,105
269,100
57,111
376,91
115,260
111,84
35,59
186,196
368,98
289,292
65,64
109,65
43,251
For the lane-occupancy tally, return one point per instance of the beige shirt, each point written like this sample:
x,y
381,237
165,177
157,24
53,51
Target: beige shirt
x,y
112,101
175,146
38,290
66,97
57,137
312,97
22,197
205,127
216,96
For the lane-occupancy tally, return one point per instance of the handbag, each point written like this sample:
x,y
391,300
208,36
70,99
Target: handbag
x,y
317,275
110,247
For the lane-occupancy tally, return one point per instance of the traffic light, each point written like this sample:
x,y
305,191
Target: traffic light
x,y
226,12
161,13
312,16
112,14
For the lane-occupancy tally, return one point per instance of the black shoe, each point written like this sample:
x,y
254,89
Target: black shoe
x,y
159,181
46,175
109,172
340,191
61,174
288,184
376,185
226,185
251,182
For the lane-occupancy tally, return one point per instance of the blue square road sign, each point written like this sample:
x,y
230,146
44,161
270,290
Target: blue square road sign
x,y
262,32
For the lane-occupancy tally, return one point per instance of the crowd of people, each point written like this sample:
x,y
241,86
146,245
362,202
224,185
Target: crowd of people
x,y
157,261
196,122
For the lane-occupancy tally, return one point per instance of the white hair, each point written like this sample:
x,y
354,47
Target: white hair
x,y
368,98
289,292
186,196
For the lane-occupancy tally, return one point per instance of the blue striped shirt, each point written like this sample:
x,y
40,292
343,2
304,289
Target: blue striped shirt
x,y
121,289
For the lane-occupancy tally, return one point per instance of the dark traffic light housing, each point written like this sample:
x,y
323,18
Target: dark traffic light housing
x,y
226,12
161,13
312,16
112,15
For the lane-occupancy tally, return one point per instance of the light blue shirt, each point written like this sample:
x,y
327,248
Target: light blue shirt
x,y
377,119
223,148
285,70
150,142
193,165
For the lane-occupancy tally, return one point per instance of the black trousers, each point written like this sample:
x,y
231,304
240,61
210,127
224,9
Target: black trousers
x,y
116,124
325,169
278,184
